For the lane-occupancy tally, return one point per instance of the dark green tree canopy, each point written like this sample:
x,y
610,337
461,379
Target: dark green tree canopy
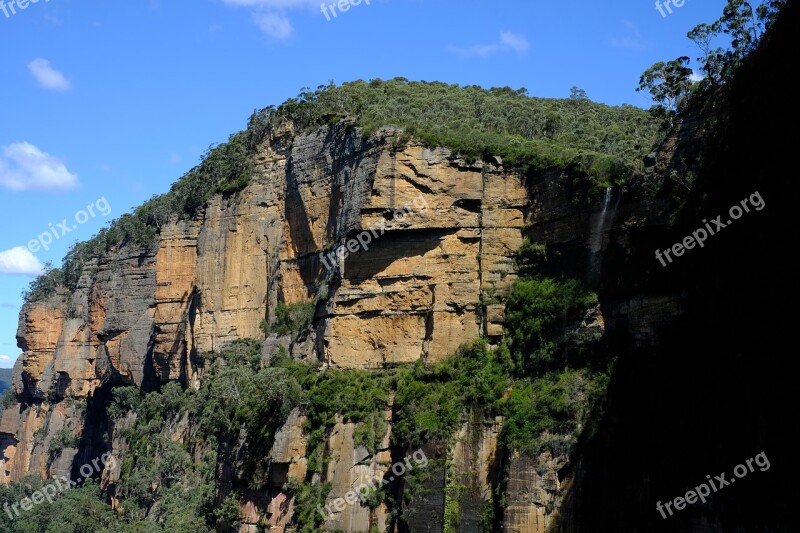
x,y
667,82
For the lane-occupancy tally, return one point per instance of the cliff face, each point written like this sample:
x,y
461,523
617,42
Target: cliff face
x,y
701,380
142,317
435,262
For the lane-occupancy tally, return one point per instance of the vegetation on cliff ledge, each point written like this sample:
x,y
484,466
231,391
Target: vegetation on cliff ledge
x,y
532,133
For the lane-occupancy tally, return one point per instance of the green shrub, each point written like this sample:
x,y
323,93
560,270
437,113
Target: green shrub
x,y
79,509
308,499
44,285
431,403
64,438
125,400
243,352
229,513
358,396
549,412
538,311
8,398
292,319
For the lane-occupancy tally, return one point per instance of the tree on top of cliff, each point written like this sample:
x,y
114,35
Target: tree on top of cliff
x,y
667,82
670,83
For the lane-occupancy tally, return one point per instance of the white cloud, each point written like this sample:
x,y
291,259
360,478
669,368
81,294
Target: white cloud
x,y
5,358
509,42
20,260
517,43
23,166
47,76
696,76
273,24
270,15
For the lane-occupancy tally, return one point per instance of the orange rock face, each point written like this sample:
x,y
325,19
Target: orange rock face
x,y
441,233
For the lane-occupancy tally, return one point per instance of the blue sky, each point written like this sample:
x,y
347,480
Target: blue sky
x,y
114,101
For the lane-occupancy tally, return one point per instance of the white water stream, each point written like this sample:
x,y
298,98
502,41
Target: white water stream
x,y
601,224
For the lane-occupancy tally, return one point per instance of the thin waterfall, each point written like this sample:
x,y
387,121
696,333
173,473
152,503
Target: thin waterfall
x,y
601,224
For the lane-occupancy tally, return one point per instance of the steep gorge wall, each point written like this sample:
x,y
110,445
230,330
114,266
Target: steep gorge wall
x,y
143,316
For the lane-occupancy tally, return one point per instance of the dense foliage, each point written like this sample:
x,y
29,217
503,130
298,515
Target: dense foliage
x,y
535,133
76,510
539,311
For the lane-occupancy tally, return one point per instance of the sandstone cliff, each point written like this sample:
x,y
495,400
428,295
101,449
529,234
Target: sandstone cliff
x,y
430,278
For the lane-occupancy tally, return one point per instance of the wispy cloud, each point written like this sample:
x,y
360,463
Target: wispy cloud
x,y
5,358
47,76
20,261
273,24
23,166
271,16
517,43
508,43
632,40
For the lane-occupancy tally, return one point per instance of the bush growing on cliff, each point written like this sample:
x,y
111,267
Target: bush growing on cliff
x,y
308,498
64,438
125,400
8,398
159,482
78,509
229,513
243,352
292,318
431,403
538,311
44,285
549,412
357,396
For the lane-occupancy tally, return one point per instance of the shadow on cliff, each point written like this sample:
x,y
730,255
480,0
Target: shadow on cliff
x,y
392,248
720,385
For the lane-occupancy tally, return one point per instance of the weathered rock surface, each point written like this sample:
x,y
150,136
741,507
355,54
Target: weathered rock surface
x,y
532,493
477,465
